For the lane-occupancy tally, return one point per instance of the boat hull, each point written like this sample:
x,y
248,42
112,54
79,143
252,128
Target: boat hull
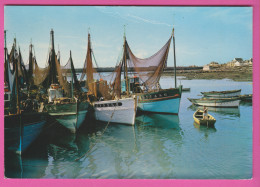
x,y
222,103
70,115
22,130
222,94
200,121
116,111
165,101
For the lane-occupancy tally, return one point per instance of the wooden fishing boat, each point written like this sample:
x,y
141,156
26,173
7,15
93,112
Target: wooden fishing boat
x,y
198,118
65,108
22,121
22,129
217,102
228,93
116,111
108,107
165,101
145,85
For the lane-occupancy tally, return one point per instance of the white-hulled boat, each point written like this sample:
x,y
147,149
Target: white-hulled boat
x,y
217,102
222,94
108,104
116,111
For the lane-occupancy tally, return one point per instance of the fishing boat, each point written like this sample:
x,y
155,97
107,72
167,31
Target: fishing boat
x,y
208,121
65,104
23,123
145,82
217,102
222,94
68,112
108,104
116,111
165,101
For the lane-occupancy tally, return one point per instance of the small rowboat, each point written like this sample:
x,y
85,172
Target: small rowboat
x,y
217,102
246,98
198,118
222,94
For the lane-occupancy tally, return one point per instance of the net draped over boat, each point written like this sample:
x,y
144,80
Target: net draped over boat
x,y
105,86
149,70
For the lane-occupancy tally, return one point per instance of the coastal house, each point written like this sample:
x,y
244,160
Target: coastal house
x,y
207,68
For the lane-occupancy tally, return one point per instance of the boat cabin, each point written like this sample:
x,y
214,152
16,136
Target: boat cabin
x,y
7,97
54,92
133,84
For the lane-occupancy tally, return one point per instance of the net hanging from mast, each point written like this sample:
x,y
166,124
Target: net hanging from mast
x,y
106,86
150,69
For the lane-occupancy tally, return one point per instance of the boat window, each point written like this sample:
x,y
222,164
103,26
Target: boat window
x,y
119,104
160,95
110,104
165,94
6,96
155,96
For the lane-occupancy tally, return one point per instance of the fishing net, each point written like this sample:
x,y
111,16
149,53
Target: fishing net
x,y
149,70
100,86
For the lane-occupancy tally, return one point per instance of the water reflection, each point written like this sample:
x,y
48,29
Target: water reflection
x,y
205,130
13,165
245,103
158,120
233,112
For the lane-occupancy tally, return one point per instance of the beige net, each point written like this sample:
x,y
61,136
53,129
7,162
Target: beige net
x,y
100,86
149,70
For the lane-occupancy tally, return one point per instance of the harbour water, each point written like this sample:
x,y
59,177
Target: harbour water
x,y
156,147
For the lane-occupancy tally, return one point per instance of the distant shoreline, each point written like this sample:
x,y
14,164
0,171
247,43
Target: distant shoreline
x,y
234,73
242,73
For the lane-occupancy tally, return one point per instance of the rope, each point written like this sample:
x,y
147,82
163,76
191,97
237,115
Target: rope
x,y
101,135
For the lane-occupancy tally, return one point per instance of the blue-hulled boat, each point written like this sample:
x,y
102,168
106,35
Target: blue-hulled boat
x,y
22,121
21,130
165,101
145,84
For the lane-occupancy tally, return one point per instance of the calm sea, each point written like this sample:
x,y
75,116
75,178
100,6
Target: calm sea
x,y
157,147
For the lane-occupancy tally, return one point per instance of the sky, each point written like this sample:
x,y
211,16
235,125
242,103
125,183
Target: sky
x,y
202,34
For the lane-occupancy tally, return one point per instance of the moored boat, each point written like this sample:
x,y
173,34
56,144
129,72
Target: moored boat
x,y
209,120
217,102
116,111
108,104
246,97
222,94
163,101
185,89
22,129
145,85
22,120
65,105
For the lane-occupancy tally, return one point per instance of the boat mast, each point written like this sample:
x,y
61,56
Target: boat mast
x,y
125,65
52,59
16,82
173,41
71,75
5,68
